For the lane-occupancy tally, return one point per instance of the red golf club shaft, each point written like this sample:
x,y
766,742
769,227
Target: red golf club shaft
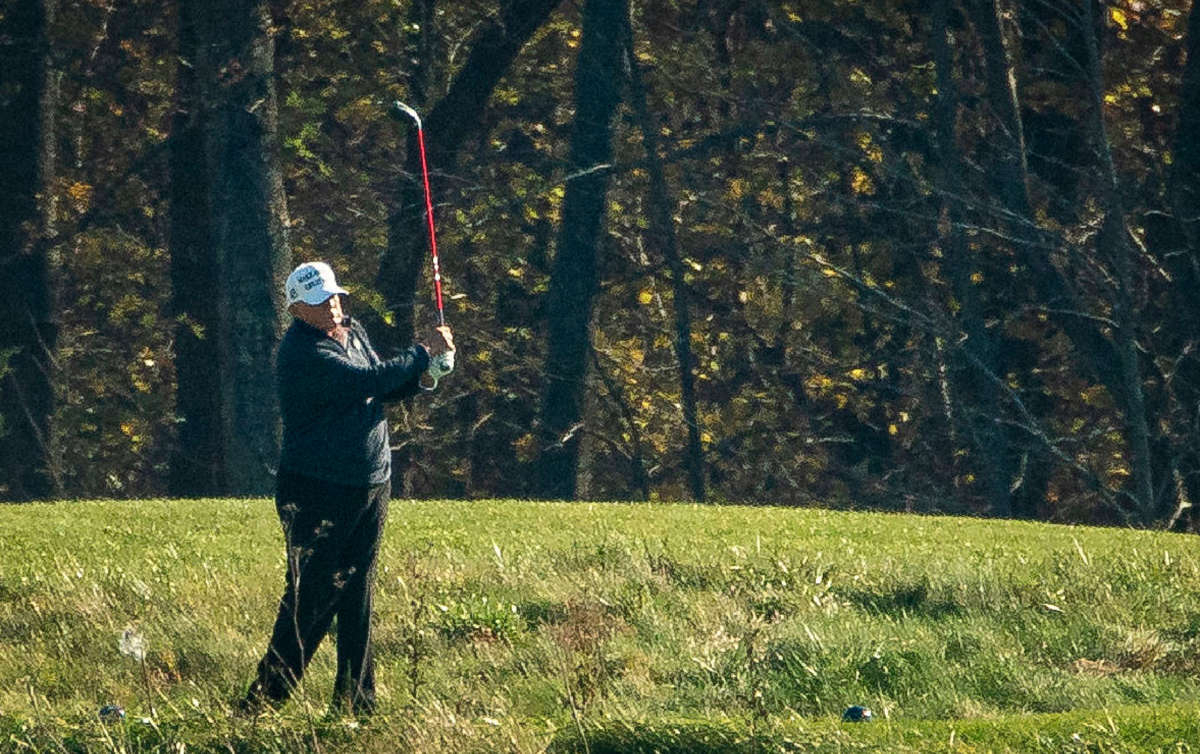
x,y
437,269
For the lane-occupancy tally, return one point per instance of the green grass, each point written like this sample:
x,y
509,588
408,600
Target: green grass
x,y
528,627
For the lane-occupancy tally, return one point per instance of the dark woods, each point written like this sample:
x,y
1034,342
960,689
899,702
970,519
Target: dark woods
x,y
917,256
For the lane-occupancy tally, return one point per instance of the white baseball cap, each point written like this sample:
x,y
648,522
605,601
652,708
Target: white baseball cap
x,y
312,283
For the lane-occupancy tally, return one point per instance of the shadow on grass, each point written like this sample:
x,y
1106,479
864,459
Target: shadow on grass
x,y
915,598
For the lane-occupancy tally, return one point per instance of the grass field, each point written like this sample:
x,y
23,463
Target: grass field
x,y
526,627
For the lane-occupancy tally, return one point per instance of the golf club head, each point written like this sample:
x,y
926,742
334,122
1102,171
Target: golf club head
x,y
400,111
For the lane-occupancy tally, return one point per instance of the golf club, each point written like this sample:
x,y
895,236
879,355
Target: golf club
x,y
398,110
443,364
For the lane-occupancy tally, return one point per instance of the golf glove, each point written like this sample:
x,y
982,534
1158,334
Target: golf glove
x,y
440,366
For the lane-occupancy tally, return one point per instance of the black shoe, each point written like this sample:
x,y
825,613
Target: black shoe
x,y
255,703
248,707
361,707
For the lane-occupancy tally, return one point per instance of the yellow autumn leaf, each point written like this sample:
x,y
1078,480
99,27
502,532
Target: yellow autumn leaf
x,y
869,148
525,447
819,382
80,192
1119,18
861,182
768,198
645,296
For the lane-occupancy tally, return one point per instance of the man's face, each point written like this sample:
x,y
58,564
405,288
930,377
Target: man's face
x,y
325,316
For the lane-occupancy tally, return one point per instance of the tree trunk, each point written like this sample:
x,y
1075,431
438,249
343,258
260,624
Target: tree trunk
x,y
975,392
28,326
229,249
1186,175
196,462
1115,364
573,281
1017,446
662,226
1005,103
1115,246
1051,288
1180,240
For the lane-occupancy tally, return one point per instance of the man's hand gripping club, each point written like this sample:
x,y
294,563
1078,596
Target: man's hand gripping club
x,y
441,356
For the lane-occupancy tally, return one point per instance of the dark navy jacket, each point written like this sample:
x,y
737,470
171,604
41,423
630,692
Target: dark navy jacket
x,y
331,399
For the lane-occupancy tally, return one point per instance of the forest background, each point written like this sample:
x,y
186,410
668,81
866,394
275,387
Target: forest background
x,y
927,256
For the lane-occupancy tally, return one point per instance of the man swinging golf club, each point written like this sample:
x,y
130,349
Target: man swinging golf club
x,y
333,484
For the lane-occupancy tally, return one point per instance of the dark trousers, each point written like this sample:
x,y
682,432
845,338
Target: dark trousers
x,y
332,533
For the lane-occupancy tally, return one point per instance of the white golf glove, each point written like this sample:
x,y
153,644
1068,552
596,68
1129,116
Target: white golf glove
x,y
439,366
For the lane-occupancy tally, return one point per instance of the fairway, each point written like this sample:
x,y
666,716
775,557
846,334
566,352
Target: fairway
x,y
521,626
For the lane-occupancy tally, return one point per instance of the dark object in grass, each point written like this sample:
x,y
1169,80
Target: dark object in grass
x,y
111,713
856,714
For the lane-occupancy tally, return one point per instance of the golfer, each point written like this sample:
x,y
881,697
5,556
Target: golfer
x,y
333,484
